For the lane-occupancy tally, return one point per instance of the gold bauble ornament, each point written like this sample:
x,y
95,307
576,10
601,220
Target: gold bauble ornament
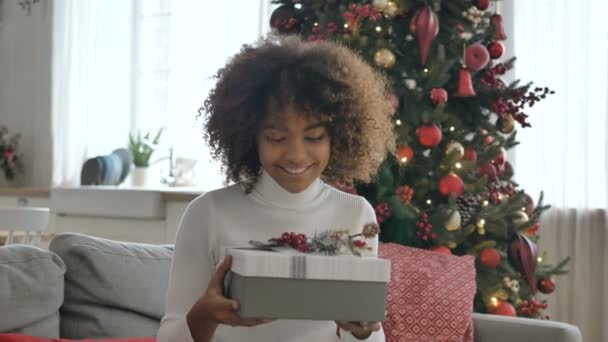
x,y
520,218
384,58
455,145
380,4
391,10
453,222
506,125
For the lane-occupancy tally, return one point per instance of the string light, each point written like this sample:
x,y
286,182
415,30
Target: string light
x,y
378,28
428,201
539,259
426,70
403,160
398,122
523,208
316,24
494,301
452,129
485,203
345,25
298,6
458,165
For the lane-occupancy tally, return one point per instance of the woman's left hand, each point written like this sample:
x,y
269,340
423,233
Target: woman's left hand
x,y
360,330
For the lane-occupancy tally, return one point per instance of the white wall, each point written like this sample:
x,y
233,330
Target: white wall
x,y
25,84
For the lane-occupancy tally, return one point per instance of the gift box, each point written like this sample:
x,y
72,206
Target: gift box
x,y
294,285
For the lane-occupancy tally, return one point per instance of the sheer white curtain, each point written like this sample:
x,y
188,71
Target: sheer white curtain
x,y
124,66
564,45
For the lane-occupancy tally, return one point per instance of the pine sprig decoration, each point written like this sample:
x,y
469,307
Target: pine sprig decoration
x,y
326,243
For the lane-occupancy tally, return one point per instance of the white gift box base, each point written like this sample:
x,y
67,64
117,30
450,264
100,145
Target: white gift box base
x,y
309,287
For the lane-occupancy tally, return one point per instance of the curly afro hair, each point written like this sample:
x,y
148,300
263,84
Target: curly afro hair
x,y
321,79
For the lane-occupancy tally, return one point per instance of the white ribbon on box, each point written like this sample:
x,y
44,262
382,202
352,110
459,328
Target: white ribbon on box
x,y
285,262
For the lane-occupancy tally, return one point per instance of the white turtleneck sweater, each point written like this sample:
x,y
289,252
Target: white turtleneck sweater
x,y
230,217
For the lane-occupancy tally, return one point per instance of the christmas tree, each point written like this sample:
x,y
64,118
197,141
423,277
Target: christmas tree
x,y
448,186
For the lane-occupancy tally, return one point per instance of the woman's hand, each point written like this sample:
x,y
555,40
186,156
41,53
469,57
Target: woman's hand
x,y
213,308
360,330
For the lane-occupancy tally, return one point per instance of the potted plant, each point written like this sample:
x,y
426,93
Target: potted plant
x,y
141,149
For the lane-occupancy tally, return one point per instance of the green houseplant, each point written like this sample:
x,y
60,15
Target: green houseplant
x,y
141,148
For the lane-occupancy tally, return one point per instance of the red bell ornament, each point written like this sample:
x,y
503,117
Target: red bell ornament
x,y
464,86
496,21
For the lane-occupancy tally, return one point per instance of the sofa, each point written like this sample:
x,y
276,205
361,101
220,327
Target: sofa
x,y
86,287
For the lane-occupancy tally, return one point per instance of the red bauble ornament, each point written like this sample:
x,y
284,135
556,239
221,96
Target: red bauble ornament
x,y
469,154
425,25
438,95
429,135
487,170
464,87
496,21
500,159
496,49
284,19
476,57
489,258
546,285
441,249
405,154
529,204
507,170
482,4
451,184
522,255
488,140
504,308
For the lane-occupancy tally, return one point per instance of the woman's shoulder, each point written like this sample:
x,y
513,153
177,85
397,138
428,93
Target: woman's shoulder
x,y
218,197
348,200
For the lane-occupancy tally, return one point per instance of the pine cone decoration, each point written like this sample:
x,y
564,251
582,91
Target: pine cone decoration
x,y
468,206
370,230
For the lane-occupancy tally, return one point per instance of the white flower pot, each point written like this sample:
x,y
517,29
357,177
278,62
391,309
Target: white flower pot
x,y
143,177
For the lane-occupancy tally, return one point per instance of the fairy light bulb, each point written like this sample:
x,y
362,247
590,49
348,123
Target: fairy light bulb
x,y
539,259
481,223
298,6
426,70
398,122
316,24
378,29
345,25
458,165
452,128
403,160
428,201
494,301
523,208
485,203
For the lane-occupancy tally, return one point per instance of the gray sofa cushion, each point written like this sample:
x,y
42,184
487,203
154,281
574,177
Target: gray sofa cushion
x,y
112,289
31,290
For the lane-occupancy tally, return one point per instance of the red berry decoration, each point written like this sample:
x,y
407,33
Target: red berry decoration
x,y
504,308
405,154
451,184
489,258
482,5
546,285
500,159
496,49
441,249
438,95
429,135
476,57
488,140
469,154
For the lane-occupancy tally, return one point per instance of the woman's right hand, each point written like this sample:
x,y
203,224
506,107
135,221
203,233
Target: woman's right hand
x,y
213,308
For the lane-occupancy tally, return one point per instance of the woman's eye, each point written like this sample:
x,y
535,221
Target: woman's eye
x,y
316,138
275,139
